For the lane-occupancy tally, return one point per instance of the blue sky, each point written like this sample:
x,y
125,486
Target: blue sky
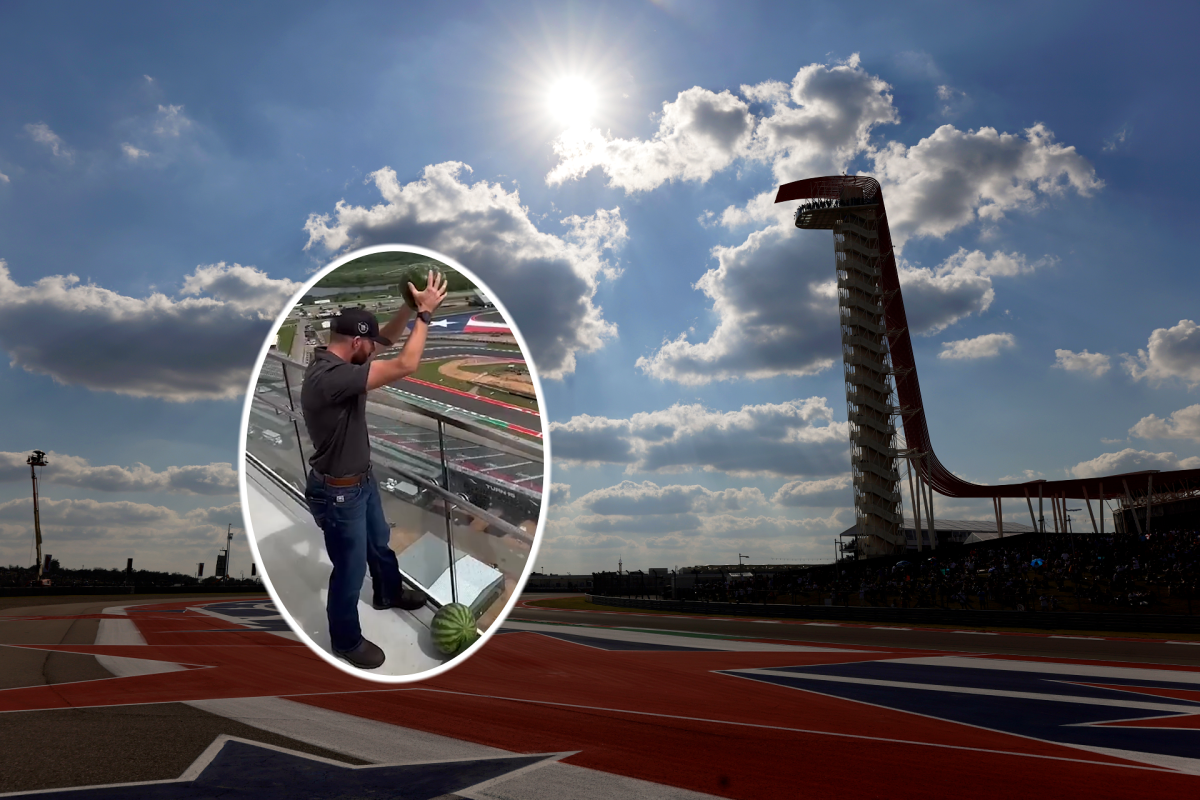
x,y
190,166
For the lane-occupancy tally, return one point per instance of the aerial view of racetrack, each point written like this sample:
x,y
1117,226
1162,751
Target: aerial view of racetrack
x,y
194,697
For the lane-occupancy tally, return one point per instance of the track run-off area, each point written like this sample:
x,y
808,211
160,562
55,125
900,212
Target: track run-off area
x,y
207,696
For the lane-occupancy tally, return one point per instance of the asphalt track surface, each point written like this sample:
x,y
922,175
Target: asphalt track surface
x,y
436,349
1035,645
584,705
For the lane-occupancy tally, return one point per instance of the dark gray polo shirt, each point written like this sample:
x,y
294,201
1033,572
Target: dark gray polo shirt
x,y
334,404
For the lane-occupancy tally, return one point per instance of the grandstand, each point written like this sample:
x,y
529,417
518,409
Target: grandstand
x,y
882,385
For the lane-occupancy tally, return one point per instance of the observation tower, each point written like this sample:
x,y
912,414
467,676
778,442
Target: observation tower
x,y
882,386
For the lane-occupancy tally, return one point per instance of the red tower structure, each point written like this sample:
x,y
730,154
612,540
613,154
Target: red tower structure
x,y
870,300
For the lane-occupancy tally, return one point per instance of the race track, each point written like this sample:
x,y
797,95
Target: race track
x,y
216,697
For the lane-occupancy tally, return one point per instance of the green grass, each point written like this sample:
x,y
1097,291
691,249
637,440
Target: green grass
x,y
287,335
380,269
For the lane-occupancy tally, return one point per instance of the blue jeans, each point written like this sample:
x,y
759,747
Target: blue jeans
x,y
356,538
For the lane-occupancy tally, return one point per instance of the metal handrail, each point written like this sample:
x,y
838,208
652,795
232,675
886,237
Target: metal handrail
x,y
476,428
446,495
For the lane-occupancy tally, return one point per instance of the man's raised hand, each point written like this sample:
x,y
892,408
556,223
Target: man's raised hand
x,y
434,293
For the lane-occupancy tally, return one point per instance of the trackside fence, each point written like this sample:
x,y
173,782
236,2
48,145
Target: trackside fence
x,y
1048,620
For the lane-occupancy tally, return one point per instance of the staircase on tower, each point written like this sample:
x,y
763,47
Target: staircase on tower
x,y
867,365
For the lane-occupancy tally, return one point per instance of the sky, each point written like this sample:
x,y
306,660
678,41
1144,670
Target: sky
x,y
170,176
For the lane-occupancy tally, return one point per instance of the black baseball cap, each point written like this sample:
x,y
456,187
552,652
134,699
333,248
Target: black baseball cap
x,y
358,322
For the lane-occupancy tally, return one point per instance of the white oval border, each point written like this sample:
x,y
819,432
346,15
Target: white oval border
x,y
329,658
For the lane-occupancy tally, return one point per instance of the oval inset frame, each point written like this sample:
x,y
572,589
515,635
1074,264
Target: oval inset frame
x,y
326,656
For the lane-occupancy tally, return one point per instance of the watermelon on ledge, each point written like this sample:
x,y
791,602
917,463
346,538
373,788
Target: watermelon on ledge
x,y
453,628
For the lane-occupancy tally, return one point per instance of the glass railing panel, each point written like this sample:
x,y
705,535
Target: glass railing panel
x,y
272,438
492,531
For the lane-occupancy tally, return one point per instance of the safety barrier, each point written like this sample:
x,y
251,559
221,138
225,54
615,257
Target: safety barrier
x,y
1051,620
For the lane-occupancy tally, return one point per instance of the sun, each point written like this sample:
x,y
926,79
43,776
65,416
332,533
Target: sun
x,y
572,101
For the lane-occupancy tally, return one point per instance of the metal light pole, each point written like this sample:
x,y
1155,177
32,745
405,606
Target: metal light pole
x,y
228,550
38,459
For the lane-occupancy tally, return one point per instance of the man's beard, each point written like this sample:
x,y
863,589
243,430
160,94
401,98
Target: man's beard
x,y
359,358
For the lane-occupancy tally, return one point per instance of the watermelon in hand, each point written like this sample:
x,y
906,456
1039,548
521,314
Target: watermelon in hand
x,y
453,628
418,277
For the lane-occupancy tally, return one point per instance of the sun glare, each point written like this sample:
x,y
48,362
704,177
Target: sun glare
x,y
572,101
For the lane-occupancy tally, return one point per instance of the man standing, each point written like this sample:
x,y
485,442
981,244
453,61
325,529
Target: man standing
x,y
342,493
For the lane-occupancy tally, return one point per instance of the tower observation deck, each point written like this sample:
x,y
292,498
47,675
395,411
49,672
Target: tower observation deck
x,y
881,386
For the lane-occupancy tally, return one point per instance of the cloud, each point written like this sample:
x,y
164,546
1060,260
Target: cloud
x,y
92,514
1130,460
776,301
987,346
490,232
815,124
828,121
40,132
774,297
774,439
170,121
953,178
1024,476
951,102
560,494
1182,424
1094,364
663,523
4,178
836,491
1112,144
133,153
66,470
1171,353
647,498
198,347
700,133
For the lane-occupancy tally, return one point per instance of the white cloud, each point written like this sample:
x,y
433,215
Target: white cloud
x,y
133,153
815,125
647,498
778,439
93,514
67,470
829,121
488,230
1171,353
951,101
40,132
1130,460
1024,476
836,491
777,312
987,346
776,302
560,494
1182,424
170,121
953,178
1116,140
198,347
4,178
1094,364
700,133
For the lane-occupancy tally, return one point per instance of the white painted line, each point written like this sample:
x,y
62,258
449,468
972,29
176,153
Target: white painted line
x,y
1173,675
1170,641
1085,638
889,628
824,624
978,633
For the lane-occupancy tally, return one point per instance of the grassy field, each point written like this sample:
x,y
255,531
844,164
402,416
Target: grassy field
x,y
380,269
286,335
581,604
